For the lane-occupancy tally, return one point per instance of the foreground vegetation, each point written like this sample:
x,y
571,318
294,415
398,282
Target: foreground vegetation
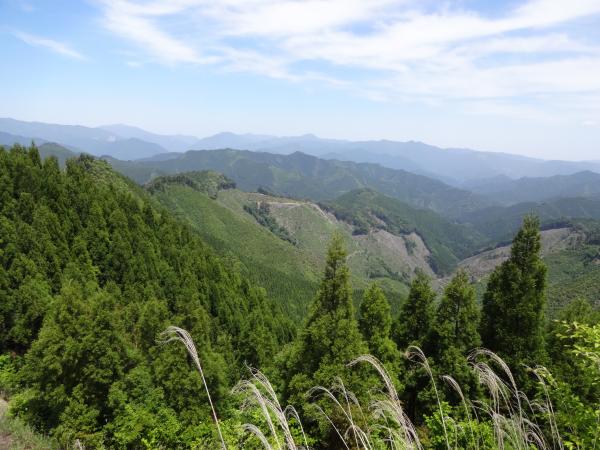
x,y
92,271
17,435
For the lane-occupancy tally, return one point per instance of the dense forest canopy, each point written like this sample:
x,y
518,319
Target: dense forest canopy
x,y
90,275
93,270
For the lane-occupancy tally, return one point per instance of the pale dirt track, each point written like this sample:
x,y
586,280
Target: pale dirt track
x,y
5,440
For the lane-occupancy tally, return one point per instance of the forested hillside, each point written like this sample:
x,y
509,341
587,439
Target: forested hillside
x,y
90,274
94,268
448,242
499,223
216,211
507,191
280,240
303,176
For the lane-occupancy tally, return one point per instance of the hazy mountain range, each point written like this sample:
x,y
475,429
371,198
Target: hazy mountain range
x,y
459,167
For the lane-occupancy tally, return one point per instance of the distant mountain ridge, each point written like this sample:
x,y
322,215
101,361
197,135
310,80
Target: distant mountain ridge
x,y
300,175
452,165
507,191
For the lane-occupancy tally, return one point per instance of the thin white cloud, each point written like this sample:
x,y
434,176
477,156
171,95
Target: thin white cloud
x,y
49,44
381,49
135,23
25,6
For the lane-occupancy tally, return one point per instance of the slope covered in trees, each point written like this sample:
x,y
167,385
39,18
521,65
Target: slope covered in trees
x,y
499,223
90,273
303,176
280,240
448,242
288,273
92,270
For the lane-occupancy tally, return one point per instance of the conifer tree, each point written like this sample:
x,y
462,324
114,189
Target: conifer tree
x,y
413,328
455,331
416,314
329,340
375,323
513,305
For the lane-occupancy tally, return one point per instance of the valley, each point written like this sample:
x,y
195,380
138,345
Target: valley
x,y
389,232
232,245
388,241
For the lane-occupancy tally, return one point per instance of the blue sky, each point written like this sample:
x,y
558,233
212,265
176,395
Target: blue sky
x,y
514,76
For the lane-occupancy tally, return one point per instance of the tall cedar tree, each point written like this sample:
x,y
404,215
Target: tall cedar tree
x,y
375,323
416,314
413,327
455,331
513,306
329,340
90,273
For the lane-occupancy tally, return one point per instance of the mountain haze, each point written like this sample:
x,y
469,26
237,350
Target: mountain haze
x,y
304,176
459,167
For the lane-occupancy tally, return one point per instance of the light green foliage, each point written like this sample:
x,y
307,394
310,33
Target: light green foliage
x,y
9,365
463,432
261,212
284,254
17,435
281,268
575,272
513,305
575,387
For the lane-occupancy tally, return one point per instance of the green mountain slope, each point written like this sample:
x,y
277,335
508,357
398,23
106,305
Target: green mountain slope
x,y
448,242
303,176
287,273
91,271
281,242
499,223
572,254
508,191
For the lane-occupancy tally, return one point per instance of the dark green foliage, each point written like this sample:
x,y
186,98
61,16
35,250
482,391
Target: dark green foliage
x,y
206,181
90,273
375,323
513,305
260,211
455,332
416,314
499,223
413,328
329,339
303,176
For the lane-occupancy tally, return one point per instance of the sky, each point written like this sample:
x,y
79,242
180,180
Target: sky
x,y
515,76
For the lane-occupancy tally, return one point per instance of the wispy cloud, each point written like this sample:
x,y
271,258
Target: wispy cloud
x,y
25,6
49,44
378,48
